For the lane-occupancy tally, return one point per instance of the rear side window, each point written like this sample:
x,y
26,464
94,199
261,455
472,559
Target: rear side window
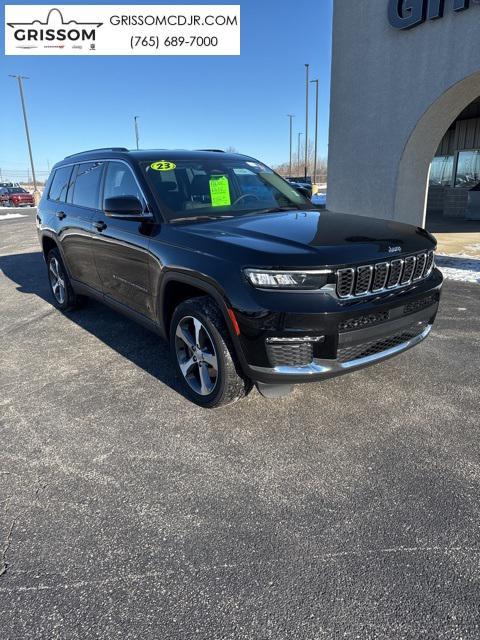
x,y
87,184
59,186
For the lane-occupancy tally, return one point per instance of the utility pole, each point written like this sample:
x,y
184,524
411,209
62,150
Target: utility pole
x,y
290,117
137,137
316,132
27,133
298,154
306,119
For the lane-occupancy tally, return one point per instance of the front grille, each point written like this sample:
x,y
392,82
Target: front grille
x,y
290,355
418,305
365,279
364,321
355,352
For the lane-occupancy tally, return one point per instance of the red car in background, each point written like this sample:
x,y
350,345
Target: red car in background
x,y
16,197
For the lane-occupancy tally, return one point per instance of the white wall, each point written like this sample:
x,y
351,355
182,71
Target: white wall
x,y
394,94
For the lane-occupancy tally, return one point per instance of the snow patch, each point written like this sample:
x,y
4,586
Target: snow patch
x,y
459,267
10,216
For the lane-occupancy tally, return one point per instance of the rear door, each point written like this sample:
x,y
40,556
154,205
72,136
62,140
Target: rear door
x,y
121,246
76,234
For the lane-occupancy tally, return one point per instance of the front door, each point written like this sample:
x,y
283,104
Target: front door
x,y
121,246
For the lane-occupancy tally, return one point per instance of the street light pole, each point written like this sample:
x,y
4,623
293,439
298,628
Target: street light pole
x,y
306,118
316,132
27,132
298,154
290,117
137,137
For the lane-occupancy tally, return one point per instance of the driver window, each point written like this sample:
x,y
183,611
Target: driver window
x,y
120,181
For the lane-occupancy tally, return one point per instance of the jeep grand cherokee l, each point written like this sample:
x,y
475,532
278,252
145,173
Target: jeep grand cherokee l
x,y
245,278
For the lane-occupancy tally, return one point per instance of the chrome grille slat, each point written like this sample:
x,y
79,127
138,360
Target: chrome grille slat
x,y
408,269
380,276
428,264
420,266
396,268
353,282
363,279
345,280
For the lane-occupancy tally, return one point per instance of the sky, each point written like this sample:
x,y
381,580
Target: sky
x,y
187,102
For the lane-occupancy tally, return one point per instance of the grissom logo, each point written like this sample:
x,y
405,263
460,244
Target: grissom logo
x,y
54,30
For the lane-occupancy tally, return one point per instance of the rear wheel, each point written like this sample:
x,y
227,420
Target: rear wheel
x,y
64,295
203,355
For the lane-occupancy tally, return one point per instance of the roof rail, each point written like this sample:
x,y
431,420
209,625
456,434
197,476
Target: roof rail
x,y
80,153
214,150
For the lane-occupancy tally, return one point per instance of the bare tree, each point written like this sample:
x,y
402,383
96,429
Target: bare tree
x,y
298,161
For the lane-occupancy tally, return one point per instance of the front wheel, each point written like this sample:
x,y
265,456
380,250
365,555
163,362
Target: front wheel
x,y
203,355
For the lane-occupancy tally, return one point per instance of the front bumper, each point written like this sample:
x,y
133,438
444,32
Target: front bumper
x,y
353,334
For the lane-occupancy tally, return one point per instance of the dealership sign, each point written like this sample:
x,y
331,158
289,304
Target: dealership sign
x,y
405,14
94,29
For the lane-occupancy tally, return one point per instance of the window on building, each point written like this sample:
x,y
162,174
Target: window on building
x,y
87,185
441,171
59,186
468,169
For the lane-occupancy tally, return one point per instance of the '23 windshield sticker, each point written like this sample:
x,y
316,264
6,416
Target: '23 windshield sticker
x,y
163,165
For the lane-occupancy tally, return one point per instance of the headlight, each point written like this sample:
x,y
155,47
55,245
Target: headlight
x,y
303,280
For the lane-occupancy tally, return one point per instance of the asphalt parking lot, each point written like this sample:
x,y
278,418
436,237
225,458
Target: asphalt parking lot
x,y
348,510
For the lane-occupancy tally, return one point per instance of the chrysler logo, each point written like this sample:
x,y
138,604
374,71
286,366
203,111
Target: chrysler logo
x,y
55,30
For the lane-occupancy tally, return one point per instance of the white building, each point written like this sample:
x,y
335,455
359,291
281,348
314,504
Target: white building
x,y
405,89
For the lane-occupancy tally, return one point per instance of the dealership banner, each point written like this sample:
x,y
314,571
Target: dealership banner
x,y
105,30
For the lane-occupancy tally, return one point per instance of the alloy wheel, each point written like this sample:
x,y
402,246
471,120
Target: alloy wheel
x,y
196,355
57,280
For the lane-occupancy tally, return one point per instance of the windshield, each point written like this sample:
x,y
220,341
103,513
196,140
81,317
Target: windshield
x,y
17,190
219,188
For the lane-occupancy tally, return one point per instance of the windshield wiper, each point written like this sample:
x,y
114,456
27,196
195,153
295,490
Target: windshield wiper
x,y
274,210
198,218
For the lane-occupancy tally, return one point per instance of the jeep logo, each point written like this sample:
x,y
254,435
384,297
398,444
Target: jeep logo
x,y
405,14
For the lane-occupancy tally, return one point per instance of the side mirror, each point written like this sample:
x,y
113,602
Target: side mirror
x,y
123,207
303,191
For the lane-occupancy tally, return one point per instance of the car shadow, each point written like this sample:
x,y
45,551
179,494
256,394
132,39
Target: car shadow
x,y
142,347
437,223
464,263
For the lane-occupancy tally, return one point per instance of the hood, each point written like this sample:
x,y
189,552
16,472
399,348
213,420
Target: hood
x,y
306,238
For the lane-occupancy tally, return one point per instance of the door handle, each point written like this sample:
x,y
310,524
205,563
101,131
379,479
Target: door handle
x,y
61,215
100,226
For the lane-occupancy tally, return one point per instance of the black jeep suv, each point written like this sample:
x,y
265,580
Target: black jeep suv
x,y
245,278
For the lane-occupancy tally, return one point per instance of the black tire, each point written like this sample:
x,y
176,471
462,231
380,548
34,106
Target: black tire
x,y
69,300
229,383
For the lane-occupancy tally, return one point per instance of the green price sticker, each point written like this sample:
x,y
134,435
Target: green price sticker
x,y
220,191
